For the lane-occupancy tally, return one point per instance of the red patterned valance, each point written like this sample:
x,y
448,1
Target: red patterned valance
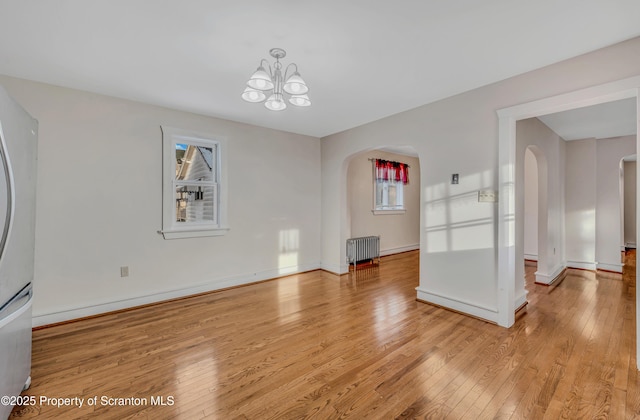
x,y
387,170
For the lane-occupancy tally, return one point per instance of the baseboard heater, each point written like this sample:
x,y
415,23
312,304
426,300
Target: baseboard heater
x,y
362,249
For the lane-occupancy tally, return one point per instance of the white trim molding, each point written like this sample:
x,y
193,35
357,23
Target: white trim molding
x,y
615,267
473,309
388,212
335,269
507,117
549,278
521,300
399,250
98,308
582,265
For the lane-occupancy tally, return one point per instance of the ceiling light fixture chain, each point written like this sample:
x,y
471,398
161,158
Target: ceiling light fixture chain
x,y
262,82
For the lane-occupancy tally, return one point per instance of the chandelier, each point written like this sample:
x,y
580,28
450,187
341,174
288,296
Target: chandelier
x,y
262,83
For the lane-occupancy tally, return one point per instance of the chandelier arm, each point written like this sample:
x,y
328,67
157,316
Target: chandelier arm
x,y
268,66
287,70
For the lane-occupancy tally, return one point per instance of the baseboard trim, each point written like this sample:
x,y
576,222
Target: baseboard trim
x,y
548,278
102,308
399,250
555,281
338,270
582,265
613,268
521,310
520,301
467,308
531,257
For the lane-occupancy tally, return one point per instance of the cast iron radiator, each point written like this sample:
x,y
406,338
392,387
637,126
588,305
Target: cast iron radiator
x,y
363,248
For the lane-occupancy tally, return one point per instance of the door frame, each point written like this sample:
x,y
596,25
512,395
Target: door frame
x,y
507,118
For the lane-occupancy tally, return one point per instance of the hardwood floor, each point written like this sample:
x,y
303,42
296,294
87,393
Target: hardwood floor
x,y
359,346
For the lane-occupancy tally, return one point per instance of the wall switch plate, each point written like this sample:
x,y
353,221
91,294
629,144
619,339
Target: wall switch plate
x,y
124,271
487,196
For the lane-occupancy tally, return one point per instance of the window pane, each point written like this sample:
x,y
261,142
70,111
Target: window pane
x,y
399,195
389,195
196,204
392,195
195,163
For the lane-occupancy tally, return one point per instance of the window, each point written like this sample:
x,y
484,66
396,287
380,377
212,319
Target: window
x,y
389,195
389,179
193,185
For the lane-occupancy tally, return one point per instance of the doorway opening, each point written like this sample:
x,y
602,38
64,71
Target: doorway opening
x,y
398,227
510,255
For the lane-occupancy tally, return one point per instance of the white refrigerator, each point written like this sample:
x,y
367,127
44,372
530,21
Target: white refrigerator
x,y
18,148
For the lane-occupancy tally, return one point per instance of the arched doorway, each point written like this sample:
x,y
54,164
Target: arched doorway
x,y
399,229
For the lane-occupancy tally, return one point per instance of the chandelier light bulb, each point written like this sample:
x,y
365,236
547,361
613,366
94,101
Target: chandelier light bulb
x,y
260,80
295,85
253,95
300,100
275,102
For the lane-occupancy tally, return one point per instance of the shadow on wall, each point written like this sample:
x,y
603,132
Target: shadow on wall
x,y
455,220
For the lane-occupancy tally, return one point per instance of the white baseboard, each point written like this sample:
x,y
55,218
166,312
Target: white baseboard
x,y
478,311
631,245
344,269
67,314
520,300
335,269
531,257
398,250
584,265
615,267
547,278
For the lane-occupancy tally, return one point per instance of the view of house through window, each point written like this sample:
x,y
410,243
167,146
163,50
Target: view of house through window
x,y
196,184
193,184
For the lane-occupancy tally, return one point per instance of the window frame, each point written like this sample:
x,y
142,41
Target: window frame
x,y
171,229
386,211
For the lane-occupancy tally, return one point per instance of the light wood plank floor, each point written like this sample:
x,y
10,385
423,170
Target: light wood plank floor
x,y
360,346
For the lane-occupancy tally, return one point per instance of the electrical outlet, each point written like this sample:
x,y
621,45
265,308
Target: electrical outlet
x,y
487,196
124,271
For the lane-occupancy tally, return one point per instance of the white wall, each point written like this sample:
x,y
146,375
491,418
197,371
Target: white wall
x,y
458,260
530,206
549,149
608,211
398,232
630,174
99,205
581,204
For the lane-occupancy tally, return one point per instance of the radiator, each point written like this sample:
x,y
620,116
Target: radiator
x,y
363,248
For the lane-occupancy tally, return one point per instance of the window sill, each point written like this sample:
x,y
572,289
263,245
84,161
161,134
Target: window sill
x,y
193,233
383,212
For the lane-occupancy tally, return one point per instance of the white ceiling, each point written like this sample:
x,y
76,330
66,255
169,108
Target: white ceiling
x,y
611,119
363,59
